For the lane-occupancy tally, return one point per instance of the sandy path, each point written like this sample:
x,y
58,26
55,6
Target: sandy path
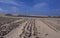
x,y
45,31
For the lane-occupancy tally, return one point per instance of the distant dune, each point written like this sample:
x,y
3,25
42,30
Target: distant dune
x,y
37,16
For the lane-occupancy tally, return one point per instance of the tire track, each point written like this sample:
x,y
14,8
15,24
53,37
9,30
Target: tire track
x,y
29,30
6,29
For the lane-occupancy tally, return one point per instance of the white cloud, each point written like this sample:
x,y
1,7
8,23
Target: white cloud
x,y
12,10
9,2
40,6
23,8
2,11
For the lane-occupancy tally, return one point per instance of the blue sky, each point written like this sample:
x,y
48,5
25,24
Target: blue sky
x,y
30,7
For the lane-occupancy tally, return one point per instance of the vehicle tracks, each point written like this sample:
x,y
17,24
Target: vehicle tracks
x,y
29,30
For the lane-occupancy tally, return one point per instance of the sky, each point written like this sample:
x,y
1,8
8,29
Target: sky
x,y
30,7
